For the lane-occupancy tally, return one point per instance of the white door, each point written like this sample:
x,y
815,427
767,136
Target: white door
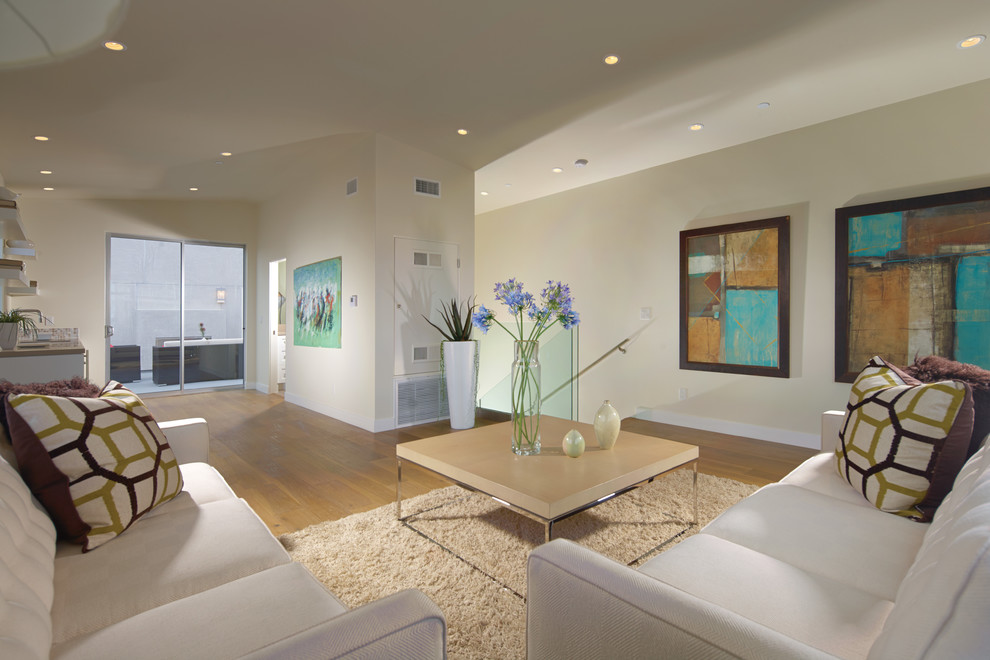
x,y
426,273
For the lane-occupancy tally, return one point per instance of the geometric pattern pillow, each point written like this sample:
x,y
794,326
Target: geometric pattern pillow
x,y
903,442
96,464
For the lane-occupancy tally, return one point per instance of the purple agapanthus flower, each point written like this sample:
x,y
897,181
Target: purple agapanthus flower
x,y
483,319
554,306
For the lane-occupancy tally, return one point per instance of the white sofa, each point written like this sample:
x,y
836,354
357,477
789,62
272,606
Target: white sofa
x,y
804,568
198,577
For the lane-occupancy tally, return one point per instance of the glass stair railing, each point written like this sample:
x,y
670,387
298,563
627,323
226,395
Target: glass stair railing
x,y
558,366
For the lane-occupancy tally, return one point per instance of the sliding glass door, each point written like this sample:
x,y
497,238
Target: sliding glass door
x,y
175,314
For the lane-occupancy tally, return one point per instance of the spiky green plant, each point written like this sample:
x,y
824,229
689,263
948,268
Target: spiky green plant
x,y
458,324
26,323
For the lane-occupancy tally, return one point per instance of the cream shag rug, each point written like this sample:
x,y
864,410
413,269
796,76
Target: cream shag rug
x,y
369,555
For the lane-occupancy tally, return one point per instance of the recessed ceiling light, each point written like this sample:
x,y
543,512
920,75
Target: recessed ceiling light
x,y
48,189
225,153
45,172
462,131
508,185
484,194
974,40
696,127
763,105
193,189
580,162
114,46
611,59
41,138
557,170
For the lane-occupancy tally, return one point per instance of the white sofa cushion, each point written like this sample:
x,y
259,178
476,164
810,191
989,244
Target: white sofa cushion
x,y
825,536
27,553
941,608
843,620
818,473
226,622
201,484
190,551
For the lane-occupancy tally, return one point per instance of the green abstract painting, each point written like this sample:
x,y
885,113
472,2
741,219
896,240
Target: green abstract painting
x,y
317,304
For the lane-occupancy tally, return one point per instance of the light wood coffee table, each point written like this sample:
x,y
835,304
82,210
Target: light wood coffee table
x,y
550,486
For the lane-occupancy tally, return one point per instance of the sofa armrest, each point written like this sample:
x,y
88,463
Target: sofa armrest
x,y
832,421
189,439
403,625
583,605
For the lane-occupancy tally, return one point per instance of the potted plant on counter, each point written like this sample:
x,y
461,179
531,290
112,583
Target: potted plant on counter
x,y
10,323
458,362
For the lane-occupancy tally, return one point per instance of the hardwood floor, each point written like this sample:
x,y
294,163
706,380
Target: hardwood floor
x,y
296,467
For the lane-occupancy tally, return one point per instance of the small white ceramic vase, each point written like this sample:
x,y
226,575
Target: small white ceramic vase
x,y
573,443
607,425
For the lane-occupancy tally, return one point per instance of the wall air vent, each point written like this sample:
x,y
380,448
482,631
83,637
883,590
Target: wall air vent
x,y
426,187
428,259
352,187
417,400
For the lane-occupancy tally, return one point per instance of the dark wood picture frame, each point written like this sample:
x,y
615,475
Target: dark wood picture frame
x,y
733,336
898,287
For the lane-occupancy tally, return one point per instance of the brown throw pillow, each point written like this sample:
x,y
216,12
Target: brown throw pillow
x,y
934,368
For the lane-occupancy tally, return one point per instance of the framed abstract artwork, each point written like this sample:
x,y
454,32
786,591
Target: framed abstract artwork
x,y
316,311
912,279
735,298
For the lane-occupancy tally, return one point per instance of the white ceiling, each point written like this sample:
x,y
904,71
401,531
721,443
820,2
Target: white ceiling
x,y
283,84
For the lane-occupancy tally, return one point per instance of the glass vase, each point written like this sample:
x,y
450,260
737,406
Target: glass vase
x,y
526,398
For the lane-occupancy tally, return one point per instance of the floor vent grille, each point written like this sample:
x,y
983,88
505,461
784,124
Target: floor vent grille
x,y
417,400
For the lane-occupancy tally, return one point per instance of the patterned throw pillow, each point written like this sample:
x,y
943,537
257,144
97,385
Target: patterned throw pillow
x,y
97,465
903,442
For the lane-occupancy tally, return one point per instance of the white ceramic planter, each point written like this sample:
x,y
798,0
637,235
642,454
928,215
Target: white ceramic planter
x,y
462,381
8,336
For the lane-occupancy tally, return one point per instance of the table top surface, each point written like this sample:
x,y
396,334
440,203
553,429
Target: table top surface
x,y
549,484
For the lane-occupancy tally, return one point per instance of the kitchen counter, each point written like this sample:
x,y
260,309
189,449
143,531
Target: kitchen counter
x,y
37,363
48,348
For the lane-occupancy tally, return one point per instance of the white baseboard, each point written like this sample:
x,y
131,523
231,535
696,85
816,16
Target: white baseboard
x,y
261,387
782,436
365,423
385,424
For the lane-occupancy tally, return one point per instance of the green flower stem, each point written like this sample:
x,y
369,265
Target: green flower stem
x,y
525,397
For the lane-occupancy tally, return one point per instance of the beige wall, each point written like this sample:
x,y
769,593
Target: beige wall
x,y
309,222
616,244
401,212
71,266
315,220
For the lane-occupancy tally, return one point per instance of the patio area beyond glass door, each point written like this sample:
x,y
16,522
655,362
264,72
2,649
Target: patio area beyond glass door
x,y
175,314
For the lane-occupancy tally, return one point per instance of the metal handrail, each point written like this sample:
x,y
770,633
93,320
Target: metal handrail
x,y
620,347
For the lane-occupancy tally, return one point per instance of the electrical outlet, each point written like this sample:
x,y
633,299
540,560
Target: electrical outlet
x,y
645,313
682,393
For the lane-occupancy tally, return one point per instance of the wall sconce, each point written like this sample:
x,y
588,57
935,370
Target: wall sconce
x,y
221,295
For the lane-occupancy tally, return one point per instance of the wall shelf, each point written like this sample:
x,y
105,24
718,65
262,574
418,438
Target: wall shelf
x,y
21,253
10,224
30,290
14,275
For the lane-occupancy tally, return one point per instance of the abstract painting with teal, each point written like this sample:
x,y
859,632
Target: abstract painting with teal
x,y
751,327
973,310
875,235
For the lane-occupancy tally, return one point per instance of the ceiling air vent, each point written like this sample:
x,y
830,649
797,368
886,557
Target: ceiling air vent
x,y
426,187
352,187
